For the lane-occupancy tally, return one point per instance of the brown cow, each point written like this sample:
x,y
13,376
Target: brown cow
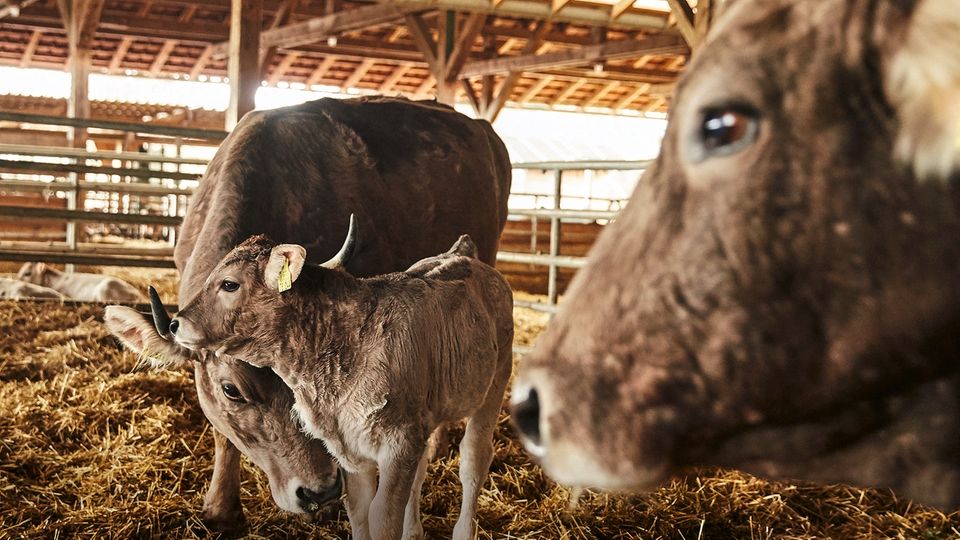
x,y
781,295
80,286
376,365
418,173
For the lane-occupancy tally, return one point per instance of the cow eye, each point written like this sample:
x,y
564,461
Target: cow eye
x,y
232,392
229,286
725,131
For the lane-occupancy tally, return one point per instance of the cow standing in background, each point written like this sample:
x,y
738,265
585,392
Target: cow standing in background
x,y
376,365
79,286
781,294
418,173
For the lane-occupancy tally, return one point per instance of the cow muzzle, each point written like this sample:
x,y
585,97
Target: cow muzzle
x,y
565,443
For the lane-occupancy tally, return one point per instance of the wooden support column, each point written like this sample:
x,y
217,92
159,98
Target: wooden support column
x,y
446,35
243,63
506,86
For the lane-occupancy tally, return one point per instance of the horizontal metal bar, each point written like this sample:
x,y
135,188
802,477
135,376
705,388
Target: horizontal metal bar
x,y
53,151
80,215
110,187
600,165
564,214
77,168
86,248
562,261
169,131
539,306
78,258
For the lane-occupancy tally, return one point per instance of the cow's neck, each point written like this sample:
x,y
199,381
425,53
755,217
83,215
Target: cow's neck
x,y
316,333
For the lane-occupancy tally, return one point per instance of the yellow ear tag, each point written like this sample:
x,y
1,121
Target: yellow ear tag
x,y
283,280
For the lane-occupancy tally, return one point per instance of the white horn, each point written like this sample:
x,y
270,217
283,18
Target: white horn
x,y
339,261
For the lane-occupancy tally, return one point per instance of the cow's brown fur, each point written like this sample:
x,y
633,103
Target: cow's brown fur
x,y
790,307
419,173
376,365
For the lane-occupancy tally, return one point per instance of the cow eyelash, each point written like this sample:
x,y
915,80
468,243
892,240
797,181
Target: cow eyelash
x,y
232,392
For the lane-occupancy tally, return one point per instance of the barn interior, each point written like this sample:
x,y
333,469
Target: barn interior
x,y
92,444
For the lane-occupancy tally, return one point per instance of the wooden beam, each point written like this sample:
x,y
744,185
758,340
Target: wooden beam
x,y
321,70
279,18
243,66
282,67
87,24
397,33
423,39
428,82
471,29
620,8
188,13
685,21
472,97
568,91
506,86
631,97
535,89
642,61
31,48
161,59
117,58
507,46
201,62
704,20
557,5
611,50
446,91
654,104
600,94
12,8
358,74
394,78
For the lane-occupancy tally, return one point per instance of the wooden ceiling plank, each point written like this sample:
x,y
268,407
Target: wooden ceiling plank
x,y
536,89
568,91
117,59
685,21
321,70
201,62
31,48
394,77
358,74
283,67
631,97
602,93
161,59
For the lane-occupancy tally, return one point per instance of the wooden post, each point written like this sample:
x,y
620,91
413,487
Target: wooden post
x,y
243,63
447,21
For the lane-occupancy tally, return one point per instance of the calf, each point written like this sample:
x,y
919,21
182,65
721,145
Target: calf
x,y
84,287
16,289
375,365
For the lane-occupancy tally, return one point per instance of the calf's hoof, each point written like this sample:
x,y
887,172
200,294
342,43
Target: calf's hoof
x,y
230,521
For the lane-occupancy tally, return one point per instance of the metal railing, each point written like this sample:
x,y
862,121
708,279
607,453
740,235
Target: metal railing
x,y
72,167
553,260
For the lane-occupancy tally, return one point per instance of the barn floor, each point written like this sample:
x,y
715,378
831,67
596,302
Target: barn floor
x,y
89,447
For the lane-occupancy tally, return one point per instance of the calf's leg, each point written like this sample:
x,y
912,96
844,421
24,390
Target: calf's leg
x,y
361,487
398,470
476,451
221,504
412,527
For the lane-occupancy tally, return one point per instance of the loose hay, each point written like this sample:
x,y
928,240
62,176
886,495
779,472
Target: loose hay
x,y
89,448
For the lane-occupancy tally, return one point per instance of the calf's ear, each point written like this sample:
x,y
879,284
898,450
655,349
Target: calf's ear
x,y
923,84
137,333
294,257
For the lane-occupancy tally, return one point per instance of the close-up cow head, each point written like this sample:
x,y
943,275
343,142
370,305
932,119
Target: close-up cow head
x,y
781,294
249,405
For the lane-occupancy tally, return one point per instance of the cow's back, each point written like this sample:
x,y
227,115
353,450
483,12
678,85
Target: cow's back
x,y
416,175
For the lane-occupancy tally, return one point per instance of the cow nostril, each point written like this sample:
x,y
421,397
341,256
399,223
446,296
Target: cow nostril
x,y
313,501
526,414
174,325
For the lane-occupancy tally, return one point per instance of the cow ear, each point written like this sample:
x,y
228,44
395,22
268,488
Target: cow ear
x,y
137,333
293,255
923,84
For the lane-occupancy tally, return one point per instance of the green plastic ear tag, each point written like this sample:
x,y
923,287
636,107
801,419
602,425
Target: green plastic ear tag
x,y
283,280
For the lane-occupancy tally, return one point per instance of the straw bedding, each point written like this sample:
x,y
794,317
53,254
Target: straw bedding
x,y
89,447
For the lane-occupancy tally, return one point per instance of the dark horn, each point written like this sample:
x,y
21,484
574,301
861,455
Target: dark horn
x,y
339,261
161,321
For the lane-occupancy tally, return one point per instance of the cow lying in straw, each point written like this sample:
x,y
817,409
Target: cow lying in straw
x,y
375,365
16,289
84,287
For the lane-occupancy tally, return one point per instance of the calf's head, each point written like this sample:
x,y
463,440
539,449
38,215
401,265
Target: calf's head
x,y
36,273
251,406
791,255
243,293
